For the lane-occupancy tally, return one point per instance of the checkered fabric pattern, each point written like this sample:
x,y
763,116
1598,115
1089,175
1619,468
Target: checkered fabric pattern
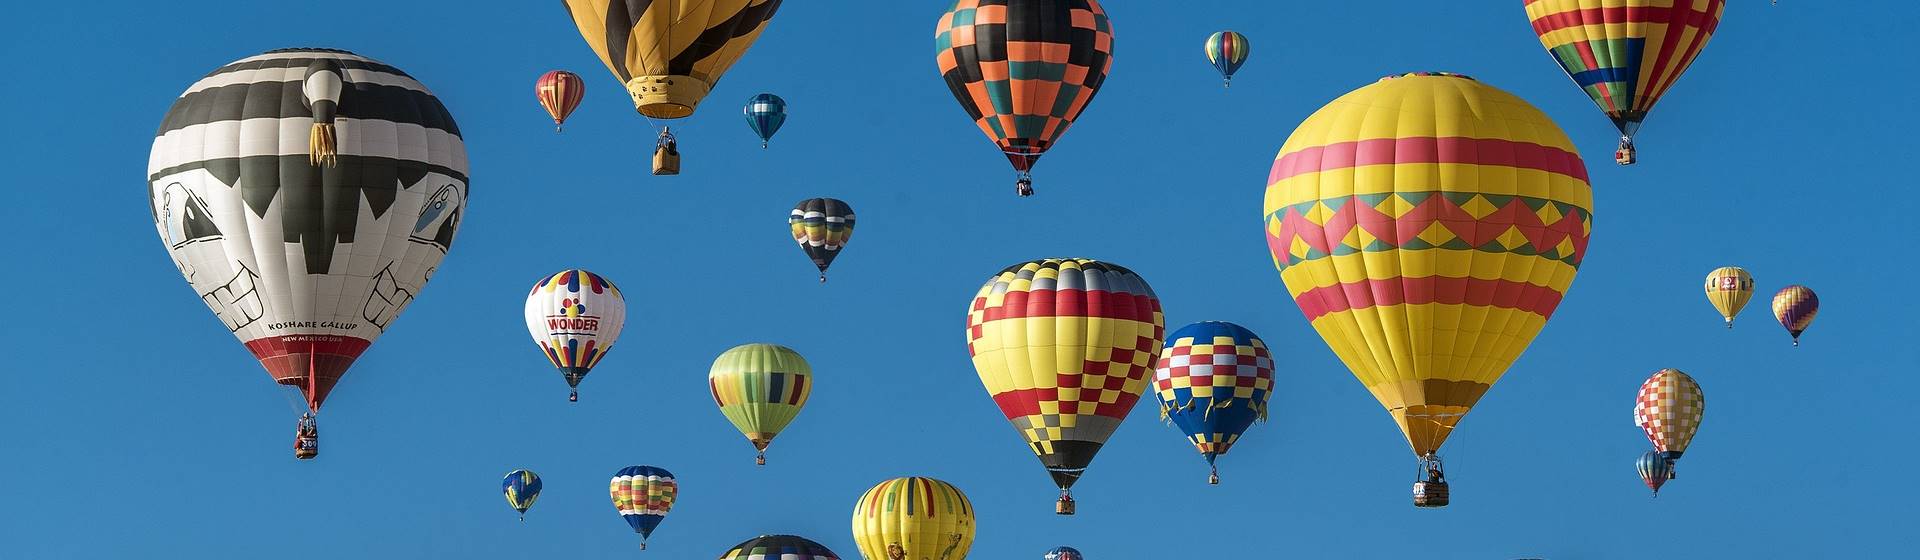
x,y
1213,380
1669,408
1024,69
1102,327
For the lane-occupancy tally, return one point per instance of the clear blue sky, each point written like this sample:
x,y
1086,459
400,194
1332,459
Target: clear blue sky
x,y
135,426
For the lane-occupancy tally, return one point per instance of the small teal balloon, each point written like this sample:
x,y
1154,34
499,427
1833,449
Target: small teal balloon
x,y
522,487
765,113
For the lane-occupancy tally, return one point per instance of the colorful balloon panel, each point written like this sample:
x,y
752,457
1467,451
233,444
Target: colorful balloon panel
x,y
1226,51
1213,380
522,488
1655,470
821,226
1428,225
765,113
307,225
1023,70
1794,306
913,517
670,54
1625,54
575,316
1065,348
779,547
643,495
1669,408
559,91
760,389
1728,289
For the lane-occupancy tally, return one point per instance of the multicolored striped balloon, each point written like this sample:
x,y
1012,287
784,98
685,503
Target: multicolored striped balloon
x,y
643,495
1227,50
1669,408
575,316
765,113
1024,69
1625,53
760,388
1213,381
522,487
1065,347
913,517
1654,469
1794,306
1428,225
779,547
559,92
1728,289
822,226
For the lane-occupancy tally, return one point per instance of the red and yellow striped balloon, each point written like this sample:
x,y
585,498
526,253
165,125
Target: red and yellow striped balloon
x,y
560,92
1428,225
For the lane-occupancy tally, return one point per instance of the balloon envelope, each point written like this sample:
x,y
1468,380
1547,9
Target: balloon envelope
x,y
822,227
915,516
765,113
1227,50
1023,70
760,388
559,91
670,54
307,225
1728,289
779,547
1213,380
1428,225
1795,306
522,487
575,316
1669,408
643,495
1655,469
1065,347
1625,54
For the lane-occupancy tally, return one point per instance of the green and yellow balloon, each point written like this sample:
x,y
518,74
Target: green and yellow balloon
x,y
760,388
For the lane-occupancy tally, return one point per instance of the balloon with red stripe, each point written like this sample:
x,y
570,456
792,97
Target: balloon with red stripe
x,y
1065,348
559,92
1625,54
1428,225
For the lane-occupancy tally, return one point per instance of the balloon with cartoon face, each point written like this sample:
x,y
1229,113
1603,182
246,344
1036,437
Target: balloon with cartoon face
x,y
307,195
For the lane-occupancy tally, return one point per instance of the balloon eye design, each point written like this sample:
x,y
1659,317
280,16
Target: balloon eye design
x,y
434,208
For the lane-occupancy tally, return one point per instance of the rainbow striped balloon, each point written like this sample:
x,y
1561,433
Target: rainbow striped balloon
x,y
913,517
1625,54
1794,306
1428,225
1227,50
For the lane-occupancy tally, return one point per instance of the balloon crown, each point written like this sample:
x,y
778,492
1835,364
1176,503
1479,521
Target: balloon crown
x,y
309,49
1439,74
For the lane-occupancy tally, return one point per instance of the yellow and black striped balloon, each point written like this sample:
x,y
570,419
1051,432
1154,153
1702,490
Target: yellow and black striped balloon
x,y
669,53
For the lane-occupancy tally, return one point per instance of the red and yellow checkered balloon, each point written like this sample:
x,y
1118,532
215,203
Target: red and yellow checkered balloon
x,y
1428,225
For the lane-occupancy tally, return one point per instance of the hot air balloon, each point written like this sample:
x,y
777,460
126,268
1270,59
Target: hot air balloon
x,y
822,227
1428,225
575,316
643,495
307,195
1213,380
1227,50
765,113
559,91
1654,470
1065,347
1728,289
913,518
1024,69
670,54
1063,553
779,547
1794,306
1669,408
1625,54
522,488
760,388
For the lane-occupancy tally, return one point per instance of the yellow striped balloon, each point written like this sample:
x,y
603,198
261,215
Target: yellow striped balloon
x,y
1428,225
913,518
670,54
1728,289
760,388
